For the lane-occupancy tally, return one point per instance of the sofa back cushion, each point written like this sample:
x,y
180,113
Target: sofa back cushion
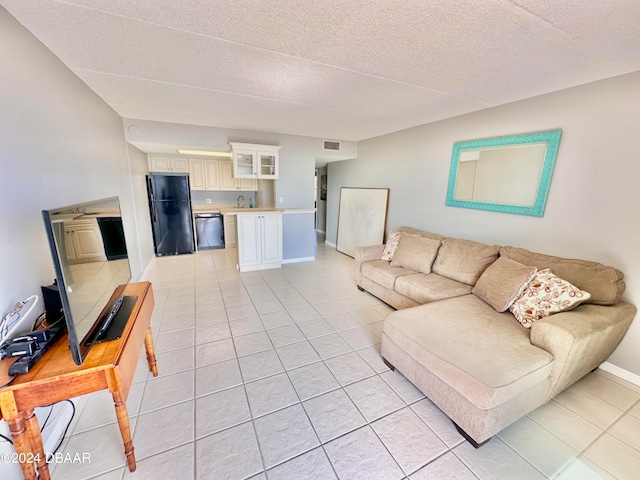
x,y
415,252
503,282
605,284
421,233
464,260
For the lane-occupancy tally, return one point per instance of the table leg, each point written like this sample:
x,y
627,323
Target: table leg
x,y
125,430
22,446
35,437
151,353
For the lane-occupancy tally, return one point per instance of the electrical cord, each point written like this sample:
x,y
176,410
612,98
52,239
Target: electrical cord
x,y
66,429
44,424
9,382
12,318
41,320
9,320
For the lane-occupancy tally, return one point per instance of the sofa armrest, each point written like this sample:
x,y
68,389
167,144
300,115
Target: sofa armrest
x,y
581,339
366,254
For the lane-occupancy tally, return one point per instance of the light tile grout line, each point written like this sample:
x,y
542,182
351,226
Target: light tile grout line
x,y
368,423
322,360
302,404
251,419
340,387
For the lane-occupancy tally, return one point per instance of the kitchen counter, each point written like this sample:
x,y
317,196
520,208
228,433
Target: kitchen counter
x,y
99,215
81,215
230,210
239,211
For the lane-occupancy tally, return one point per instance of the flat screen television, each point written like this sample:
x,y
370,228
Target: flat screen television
x,y
90,278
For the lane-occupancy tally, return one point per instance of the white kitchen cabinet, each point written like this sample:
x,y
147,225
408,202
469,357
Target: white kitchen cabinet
x,y
212,174
204,174
196,174
230,238
259,240
255,161
168,164
83,241
247,184
229,183
68,244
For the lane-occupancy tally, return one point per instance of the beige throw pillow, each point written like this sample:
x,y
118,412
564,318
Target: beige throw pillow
x,y
545,295
415,253
391,246
503,283
464,260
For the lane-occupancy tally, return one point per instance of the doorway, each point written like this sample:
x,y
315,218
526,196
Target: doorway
x,y
321,199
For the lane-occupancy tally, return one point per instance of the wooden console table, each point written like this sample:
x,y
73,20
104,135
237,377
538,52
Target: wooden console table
x,y
56,377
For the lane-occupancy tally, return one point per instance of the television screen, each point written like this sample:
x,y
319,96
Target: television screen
x,y
90,259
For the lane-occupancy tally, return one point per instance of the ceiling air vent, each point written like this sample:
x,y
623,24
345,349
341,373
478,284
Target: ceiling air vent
x,y
333,146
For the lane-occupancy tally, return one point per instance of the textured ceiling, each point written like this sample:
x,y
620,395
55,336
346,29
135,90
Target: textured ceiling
x,y
335,69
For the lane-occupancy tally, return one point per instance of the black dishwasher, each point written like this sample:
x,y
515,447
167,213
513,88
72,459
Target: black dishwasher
x,y
209,231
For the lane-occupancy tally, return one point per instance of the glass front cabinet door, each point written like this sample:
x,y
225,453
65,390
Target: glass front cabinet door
x,y
255,161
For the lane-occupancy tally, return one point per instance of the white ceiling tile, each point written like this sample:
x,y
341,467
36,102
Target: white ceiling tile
x,y
205,107
613,28
336,69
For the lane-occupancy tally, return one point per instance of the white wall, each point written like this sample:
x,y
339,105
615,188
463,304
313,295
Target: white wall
x,y
591,211
139,168
60,144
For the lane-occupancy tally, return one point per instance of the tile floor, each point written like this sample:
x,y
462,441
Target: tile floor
x,y
278,375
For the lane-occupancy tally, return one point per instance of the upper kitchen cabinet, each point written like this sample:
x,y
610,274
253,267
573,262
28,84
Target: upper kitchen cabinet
x,y
204,174
255,161
229,183
168,164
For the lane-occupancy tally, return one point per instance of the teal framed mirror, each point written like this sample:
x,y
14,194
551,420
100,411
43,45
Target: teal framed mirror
x,y
510,174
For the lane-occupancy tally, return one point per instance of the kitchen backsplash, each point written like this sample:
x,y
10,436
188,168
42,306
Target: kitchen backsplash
x,y
199,197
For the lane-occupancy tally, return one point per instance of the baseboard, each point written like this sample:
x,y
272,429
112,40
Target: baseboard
x,y
621,372
321,231
331,244
296,260
147,271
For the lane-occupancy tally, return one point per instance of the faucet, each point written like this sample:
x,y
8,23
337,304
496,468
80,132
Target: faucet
x,y
238,201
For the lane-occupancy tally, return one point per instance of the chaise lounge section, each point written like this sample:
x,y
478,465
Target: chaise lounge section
x,y
454,337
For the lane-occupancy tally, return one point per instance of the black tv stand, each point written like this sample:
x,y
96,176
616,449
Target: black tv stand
x,y
116,324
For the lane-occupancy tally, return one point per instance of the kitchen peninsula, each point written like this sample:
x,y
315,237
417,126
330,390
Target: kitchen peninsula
x,y
297,236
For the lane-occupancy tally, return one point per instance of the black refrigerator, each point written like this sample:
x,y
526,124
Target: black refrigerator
x,y
171,218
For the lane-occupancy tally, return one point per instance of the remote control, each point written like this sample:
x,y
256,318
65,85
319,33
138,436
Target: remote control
x,y
110,317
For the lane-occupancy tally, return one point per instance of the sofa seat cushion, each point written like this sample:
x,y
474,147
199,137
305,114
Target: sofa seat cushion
x,y
382,273
483,354
425,288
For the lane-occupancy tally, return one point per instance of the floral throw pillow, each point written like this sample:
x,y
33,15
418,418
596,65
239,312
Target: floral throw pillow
x,y
545,295
392,245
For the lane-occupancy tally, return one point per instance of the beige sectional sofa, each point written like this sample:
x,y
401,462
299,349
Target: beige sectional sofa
x,y
481,366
